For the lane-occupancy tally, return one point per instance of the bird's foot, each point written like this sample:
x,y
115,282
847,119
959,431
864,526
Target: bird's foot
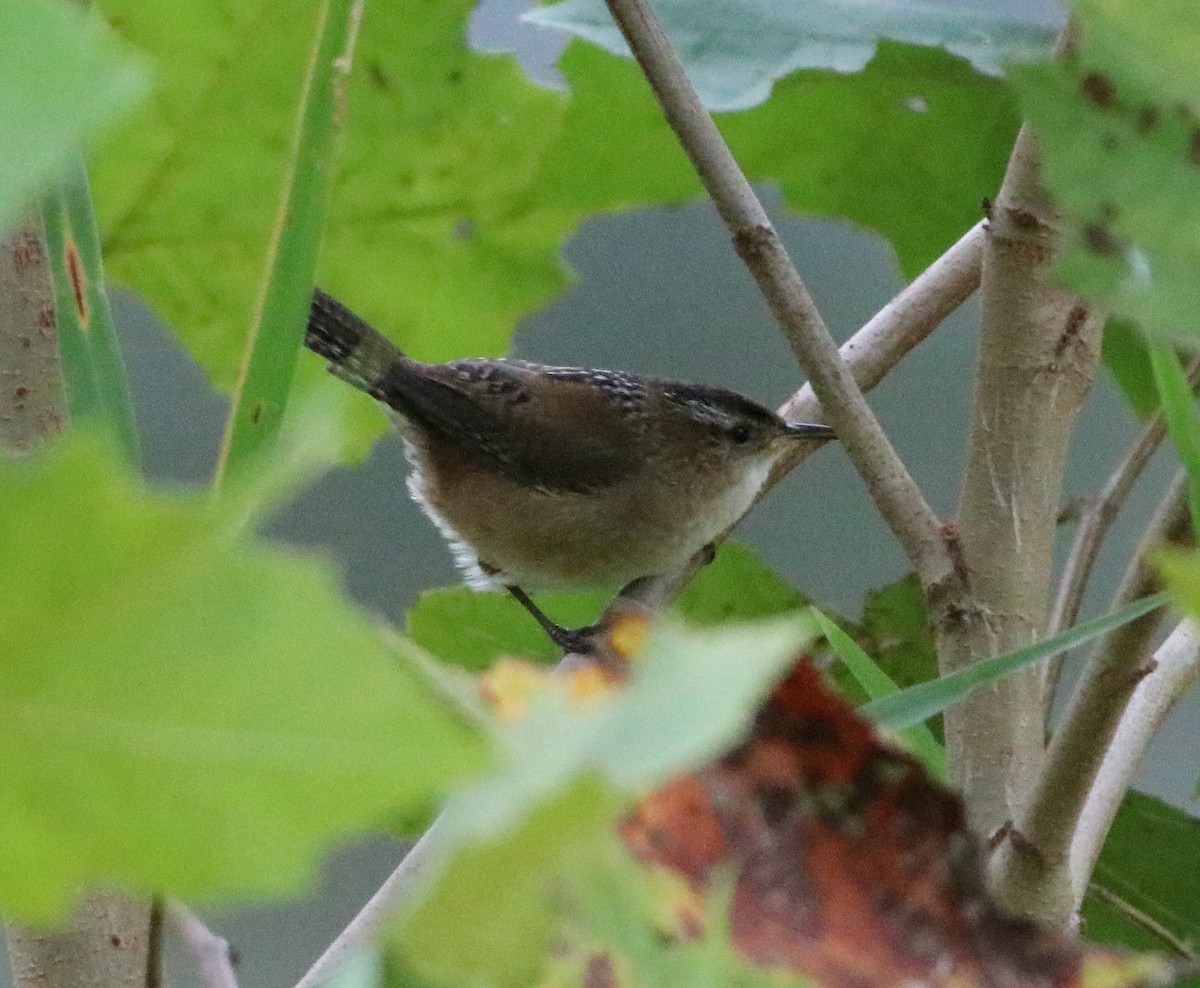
x,y
575,641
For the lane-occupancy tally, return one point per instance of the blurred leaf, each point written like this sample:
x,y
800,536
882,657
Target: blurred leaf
x,y
63,78
488,919
734,50
1128,360
461,180
1150,860
472,630
917,703
1119,125
186,709
1179,412
878,684
564,767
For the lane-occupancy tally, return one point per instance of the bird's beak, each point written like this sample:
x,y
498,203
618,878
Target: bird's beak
x,y
809,430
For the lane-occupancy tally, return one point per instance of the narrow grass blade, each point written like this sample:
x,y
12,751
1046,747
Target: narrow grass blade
x,y
97,387
1179,411
78,367
878,684
920,702
274,341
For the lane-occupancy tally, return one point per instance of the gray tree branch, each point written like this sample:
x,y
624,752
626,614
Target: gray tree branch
x,y
1042,871
891,486
1039,346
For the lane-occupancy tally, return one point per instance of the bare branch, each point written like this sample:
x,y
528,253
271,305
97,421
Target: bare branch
x,y
399,890
1099,513
1039,346
32,402
214,962
1174,669
1036,873
894,331
891,486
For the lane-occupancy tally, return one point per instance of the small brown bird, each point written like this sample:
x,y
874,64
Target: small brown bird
x,y
561,477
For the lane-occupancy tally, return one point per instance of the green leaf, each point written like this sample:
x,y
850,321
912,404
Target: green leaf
x,y
278,329
920,702
564,768
1128,360
63,78
470,629
895,630
736,586
1181,572
1119,131
879,684
734,50
1150,859
461,180
187,709
1179,412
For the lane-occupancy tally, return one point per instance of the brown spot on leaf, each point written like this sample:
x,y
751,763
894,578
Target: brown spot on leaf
x,y
115,940
599,972
1100,240
1097,88
1147,119
379,78
256,412
78,278
21,392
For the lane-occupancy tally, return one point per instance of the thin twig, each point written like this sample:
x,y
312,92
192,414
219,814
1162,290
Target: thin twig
x,y
399,890
1175,668
891,486
214,961
1052,822
893,332
1139,918
1099,513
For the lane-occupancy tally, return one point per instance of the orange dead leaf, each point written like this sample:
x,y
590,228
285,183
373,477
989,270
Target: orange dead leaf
x,y
851,866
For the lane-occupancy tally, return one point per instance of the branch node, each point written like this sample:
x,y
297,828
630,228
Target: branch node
x,y
751,242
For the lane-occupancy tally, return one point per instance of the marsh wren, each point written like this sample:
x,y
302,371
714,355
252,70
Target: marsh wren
x,y
561,477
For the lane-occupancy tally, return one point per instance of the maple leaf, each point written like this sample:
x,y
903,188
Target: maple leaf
x,y
850,864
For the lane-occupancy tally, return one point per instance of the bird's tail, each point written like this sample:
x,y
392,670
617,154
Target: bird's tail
x,y
356,352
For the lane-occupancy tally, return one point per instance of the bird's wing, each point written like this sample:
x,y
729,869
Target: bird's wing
x,y
551,428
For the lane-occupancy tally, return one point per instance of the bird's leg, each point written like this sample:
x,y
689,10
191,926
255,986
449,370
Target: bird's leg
x,y
576,641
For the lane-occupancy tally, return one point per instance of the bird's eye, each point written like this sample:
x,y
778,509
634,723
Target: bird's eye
x,y
739,434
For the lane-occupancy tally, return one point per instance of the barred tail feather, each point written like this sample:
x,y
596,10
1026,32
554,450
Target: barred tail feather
x,y
356,352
